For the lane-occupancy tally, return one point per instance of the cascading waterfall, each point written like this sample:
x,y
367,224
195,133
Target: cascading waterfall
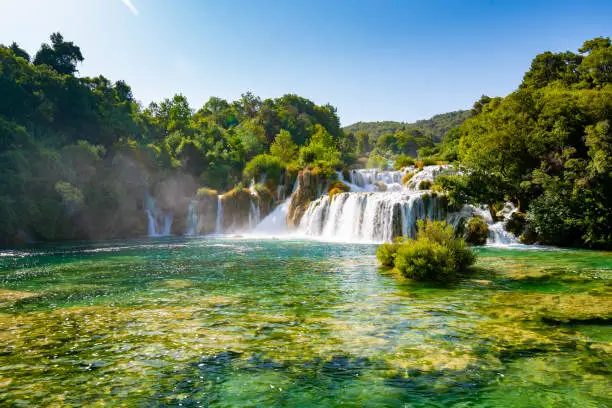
x,y
370,217
367,214
254,214
192,218
219,221
159,221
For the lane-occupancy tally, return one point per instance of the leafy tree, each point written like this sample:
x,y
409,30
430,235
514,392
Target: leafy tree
x,y
284,147
19,52
62,56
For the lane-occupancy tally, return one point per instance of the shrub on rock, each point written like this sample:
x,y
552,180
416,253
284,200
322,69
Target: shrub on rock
x,y
477,231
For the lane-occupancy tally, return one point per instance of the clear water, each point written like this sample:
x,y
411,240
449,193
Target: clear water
x,y
245,322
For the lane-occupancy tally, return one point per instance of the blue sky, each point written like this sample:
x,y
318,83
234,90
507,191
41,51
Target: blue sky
x,y
373,60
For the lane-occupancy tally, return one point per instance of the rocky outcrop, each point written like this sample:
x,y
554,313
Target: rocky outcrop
x,y
236,207
206,208
309,189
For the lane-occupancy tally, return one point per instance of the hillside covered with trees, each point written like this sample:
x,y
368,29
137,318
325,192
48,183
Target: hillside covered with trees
x,y
547,147
78,154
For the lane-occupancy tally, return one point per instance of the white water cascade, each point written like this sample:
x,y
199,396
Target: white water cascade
x,y
498,236
369,214
159,221
192,219
219,221
254,214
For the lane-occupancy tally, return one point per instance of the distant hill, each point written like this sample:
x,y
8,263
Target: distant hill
x,y
435,127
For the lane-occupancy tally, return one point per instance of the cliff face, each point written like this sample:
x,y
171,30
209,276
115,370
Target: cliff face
x,y
236,206
206,207
308,190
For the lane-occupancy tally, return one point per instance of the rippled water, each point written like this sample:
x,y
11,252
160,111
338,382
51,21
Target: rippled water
x,y
244,322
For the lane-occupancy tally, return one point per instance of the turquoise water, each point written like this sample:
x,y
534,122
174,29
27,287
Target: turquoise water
x,y
245,322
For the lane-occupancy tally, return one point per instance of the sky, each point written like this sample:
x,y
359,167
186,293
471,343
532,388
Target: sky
x,y
373,60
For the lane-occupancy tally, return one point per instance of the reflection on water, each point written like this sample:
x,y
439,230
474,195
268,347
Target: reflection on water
x,y
243,322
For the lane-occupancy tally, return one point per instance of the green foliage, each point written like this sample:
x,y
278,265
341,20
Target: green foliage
x,y
436,254
262,167
66,141
337,184
402,161
516,223
434,128
477,231
425,185
376,161
284,147
62,56
407,177
320,151
386,252
206,192
547,147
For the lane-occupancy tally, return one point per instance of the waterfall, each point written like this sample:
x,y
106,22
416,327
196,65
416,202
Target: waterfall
x,y
159,221
254,214
192,218
370,217
369,214
274,223
219,222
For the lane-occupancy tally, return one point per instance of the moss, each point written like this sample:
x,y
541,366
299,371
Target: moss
x,y
477,231
407,177
206,192
334,191
338,185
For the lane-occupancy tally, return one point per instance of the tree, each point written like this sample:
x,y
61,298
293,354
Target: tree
x,y
62,56
19,52
597,64
284,147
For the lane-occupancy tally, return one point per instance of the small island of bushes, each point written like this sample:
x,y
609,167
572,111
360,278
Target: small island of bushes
x,y
435,255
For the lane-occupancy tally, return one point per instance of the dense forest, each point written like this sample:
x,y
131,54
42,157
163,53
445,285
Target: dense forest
x,y
434,128
79,155
547,147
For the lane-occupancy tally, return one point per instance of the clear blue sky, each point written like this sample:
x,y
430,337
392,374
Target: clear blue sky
x,y
373,60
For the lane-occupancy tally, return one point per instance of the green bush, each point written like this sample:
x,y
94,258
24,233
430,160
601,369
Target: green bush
x,y
425,185
386,252
477,231
377,162
436,254
338,185
206,192
516,223
403,161
407,177
263,166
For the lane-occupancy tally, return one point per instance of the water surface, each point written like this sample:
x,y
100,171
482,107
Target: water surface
x,y
245,322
